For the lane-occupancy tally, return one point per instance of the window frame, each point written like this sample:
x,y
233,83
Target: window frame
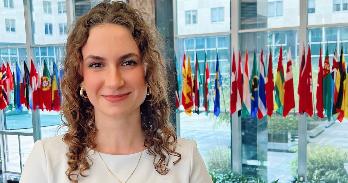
x,y
217,14
191,17
10,25
47,7
48,29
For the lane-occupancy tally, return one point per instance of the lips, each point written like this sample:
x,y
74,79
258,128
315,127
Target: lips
x,y
116,98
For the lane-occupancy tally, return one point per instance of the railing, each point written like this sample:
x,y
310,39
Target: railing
x,y
8,175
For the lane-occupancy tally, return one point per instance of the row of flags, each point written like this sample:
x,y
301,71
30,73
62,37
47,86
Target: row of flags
x,y
258,94
31,89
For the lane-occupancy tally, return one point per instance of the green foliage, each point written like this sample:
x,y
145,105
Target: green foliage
x,y
325,164
278,123
230,177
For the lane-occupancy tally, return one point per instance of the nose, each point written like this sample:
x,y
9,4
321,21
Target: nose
x,y
114,79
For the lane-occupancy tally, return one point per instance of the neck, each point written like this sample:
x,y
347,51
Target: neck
x,y
121,135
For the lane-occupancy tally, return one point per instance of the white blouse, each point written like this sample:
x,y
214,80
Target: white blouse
x,y
47,163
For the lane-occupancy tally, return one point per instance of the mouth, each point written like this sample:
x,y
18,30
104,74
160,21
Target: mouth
x,y
116,98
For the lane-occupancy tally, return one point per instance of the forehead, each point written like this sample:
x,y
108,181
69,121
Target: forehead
x,y
110,40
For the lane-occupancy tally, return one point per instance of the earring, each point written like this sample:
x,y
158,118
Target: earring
x,y
148,90
83,93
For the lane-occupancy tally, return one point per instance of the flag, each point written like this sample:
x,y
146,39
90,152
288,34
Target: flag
x,y
196,85
55,90
327,86
246,86
234,89
218,82
24,96
269,86
254,88
34,79
262,110
17,91
186,100
319,95
9,77
336,79
305,96
239,83
206,83
289,100
340,97
46,88
3,95
279,84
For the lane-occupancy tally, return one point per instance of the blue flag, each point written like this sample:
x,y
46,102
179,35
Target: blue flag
x,y
218,83
17,100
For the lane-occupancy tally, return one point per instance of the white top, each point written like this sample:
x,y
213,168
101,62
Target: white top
x,y
47,163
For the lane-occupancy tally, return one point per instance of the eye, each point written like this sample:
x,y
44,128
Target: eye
x,y
95,65
129,63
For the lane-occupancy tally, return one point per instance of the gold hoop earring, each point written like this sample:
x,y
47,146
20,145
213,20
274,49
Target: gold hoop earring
x,y
148,92
83,93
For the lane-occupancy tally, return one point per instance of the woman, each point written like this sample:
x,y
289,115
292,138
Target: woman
x,y
116,110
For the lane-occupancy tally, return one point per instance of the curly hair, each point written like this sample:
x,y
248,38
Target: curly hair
x,y
160,137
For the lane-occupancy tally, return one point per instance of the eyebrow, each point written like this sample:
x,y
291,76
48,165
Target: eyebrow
x,y
95,57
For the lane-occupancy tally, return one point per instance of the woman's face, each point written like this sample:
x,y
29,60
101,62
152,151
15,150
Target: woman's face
x,y
113,72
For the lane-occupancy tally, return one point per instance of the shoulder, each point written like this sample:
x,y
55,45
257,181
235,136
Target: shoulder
x,y
185,145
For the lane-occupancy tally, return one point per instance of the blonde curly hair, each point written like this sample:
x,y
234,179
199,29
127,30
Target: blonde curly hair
x,y
160,137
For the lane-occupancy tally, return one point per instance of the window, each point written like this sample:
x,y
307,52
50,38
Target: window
x,y
190,17
10,25
311,6
62,29
61,7
217,14
47,7
344,5
336,5
275,8
8,3
48,29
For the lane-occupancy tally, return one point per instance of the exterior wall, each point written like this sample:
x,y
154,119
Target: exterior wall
x,y
291,15
204,25
147,8
16,13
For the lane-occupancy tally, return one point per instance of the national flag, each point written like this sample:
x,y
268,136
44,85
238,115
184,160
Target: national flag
x,y
46,88
305,97
319,95
327,86
289,100
10,84
239,83
262,110
234,89
186,100
3,95
246,86
55,90
218,82
279,84
340,97
24,99
254,88
206,83
17,91
34,82
336,79
269,86
196,85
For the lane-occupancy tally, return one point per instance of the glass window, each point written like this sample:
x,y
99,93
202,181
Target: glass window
x,y
223,42
8,4
217,14
275,8
331,34
344,5
43,51
190,17
336,5
10,25
62,28
189,44
61,7
47,7
48,29
200,43
211,42
316,35
311,6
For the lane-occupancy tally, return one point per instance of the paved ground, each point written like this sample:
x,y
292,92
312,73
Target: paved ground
x,y
209,134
